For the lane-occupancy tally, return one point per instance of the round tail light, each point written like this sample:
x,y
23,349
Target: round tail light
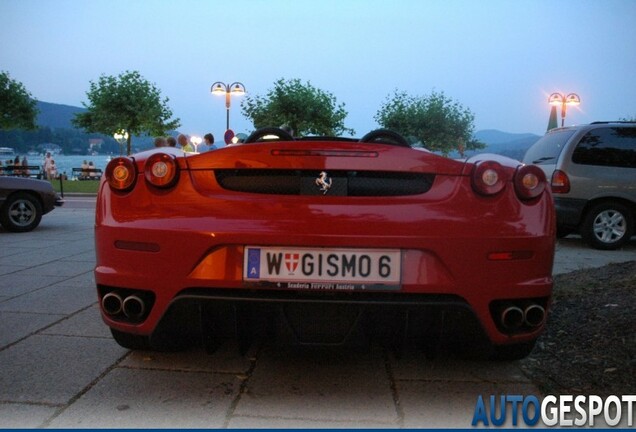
x,y
530,181
120,174
161,170
488,178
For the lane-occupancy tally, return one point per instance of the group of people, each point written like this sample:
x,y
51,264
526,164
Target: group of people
x,y
20,167
88,171
13,167
182,142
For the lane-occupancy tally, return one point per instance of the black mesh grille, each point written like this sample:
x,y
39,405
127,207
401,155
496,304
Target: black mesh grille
x,y
342,183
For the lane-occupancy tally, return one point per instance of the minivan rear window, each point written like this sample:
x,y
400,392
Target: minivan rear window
x,y
611,146
548,148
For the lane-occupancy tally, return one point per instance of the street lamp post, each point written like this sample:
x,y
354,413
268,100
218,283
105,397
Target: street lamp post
x,y
195,140
236,89
121,137
557,99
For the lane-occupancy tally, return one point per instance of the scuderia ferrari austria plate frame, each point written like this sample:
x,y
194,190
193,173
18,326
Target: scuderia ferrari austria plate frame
x,y
328,269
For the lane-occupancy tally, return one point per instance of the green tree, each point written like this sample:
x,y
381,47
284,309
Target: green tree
x,y
17,107
303,107
434,121
126,103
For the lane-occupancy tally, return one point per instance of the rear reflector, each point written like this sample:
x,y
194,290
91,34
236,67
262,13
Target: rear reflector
x,y
510,256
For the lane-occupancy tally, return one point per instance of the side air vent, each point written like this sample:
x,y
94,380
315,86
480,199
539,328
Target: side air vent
x,y
308,182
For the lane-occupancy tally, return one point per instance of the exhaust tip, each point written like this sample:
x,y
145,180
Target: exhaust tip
x,y
112,303
134,307
512,318
534,315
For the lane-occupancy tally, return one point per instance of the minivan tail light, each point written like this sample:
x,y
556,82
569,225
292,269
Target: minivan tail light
x,y
560,182
530,181
121,174
161,170
488,178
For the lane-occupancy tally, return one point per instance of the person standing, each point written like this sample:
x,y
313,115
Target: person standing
x,y
185,145
46,165
25,170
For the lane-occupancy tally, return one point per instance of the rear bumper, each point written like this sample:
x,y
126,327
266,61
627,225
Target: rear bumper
x,y
176,266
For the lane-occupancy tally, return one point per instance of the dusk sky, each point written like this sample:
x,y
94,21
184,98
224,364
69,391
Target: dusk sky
x,y
500,59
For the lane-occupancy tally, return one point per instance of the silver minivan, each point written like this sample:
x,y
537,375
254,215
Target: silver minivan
x,y
593,172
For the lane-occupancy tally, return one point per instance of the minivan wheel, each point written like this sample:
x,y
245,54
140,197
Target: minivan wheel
x,y
607,226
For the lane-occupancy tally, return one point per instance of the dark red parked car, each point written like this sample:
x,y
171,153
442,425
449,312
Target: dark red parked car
x,y
324,240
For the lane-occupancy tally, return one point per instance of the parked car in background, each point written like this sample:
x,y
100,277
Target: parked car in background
x,y
23,201
593,178
325,240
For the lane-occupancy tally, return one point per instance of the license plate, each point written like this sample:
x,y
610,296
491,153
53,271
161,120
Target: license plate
x,y
307,268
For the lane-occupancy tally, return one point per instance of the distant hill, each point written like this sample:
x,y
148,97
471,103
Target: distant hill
x,y
493,136
56,116
507,144
514,145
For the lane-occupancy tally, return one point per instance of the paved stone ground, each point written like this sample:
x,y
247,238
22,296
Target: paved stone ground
x,y
59,367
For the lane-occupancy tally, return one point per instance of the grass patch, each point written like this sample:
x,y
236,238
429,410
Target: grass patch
x,y
77,186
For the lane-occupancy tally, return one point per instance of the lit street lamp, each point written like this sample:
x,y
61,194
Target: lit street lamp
x,y
236,89
195,140
122,137
557,99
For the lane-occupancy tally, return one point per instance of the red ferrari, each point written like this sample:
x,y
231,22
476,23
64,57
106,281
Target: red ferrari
x,y
324,240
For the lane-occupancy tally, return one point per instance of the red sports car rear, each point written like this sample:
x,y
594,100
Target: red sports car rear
x,y
324,236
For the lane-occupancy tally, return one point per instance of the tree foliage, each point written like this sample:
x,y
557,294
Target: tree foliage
x,y
434,121
17,107
126,103
303,107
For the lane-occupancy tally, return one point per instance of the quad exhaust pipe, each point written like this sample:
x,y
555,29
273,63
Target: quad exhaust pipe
x,y
112,303
513,317
132,307
534,315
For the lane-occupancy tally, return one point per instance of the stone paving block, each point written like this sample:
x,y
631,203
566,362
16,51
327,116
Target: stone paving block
x,y
30,258
87,323
319,385
413,365
9,248
17,325
53,369
440,404
17,284
24,416
8,269
226,359
86,279
34,242
58,269
55,299
134,398
243,422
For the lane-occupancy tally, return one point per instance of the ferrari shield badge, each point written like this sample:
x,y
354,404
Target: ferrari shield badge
x,y
324,182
